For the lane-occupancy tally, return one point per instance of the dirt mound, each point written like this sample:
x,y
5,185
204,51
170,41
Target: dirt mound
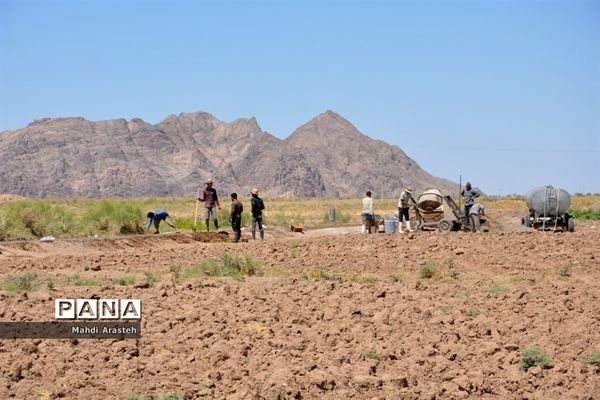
x,y
430,315
211,237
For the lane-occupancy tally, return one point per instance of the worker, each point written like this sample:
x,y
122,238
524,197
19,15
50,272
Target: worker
x,y
157,216
258,206
476,211
211,205
469,194
367,215
235,217
403,207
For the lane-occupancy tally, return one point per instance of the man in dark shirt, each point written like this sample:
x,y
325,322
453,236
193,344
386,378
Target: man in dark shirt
x,y
257,217
211,205
469,194
236,217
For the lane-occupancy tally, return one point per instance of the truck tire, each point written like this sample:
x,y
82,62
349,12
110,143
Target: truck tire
x,y
570,224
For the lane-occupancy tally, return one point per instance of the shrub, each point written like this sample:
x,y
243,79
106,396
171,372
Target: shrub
x,y
229,266
320,274
366,279
18,283
372,355
77,280
585,214
593,359
473,312
564,270
151,277
129,219
532,356
170,396
113,215
124,280
428,270
496,289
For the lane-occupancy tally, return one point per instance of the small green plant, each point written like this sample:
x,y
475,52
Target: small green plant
x,y
473,312
366,279
592,359
124,280
427,270
532,356
320,274
50,284
496,289
132,397
564,270
516,278
450,261
18,283
229,266
151,277
170,396
398,277
372,355
77,280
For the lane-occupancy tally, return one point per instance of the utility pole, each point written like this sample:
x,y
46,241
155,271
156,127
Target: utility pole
x,y
381,176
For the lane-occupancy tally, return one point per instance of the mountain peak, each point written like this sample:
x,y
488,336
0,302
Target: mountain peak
x,y
328,126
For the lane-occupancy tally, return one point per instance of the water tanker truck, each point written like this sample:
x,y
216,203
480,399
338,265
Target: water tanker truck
x,y
548,209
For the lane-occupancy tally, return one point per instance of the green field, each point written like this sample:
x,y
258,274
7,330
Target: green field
x,y
80,217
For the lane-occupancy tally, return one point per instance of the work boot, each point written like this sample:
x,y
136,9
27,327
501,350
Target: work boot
x,y
253,235
408,226
207,223
216,225
262,234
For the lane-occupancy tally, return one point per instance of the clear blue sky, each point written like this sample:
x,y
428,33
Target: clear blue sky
x,y
506,93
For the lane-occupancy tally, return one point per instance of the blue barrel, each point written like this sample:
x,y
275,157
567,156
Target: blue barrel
x,y
390,225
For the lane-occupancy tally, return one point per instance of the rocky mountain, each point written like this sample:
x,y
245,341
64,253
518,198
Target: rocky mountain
x,y
327,156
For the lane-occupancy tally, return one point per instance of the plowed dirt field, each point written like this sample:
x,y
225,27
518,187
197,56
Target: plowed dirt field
x,y
323,316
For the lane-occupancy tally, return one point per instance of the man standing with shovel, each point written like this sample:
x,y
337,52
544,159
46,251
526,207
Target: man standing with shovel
x,y
211,205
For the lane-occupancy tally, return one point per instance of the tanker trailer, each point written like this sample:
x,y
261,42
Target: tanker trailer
x,y
548,209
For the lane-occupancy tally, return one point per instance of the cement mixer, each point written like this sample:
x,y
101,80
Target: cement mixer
x,y
437,211
548,209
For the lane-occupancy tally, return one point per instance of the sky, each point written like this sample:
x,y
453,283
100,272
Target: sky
x,y
505,94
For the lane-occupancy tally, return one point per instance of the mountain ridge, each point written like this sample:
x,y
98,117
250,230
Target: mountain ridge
x,y
326,156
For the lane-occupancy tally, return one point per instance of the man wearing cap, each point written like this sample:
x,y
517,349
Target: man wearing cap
x,y
211,205
257,218
403,207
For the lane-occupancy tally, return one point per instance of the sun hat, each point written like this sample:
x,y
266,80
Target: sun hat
x,y
254,191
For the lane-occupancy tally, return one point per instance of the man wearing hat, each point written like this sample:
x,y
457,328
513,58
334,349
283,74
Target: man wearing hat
x,y
403,206
211,205
257,218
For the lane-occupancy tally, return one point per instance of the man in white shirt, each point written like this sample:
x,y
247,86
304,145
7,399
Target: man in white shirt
x,y
367,214
403,207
